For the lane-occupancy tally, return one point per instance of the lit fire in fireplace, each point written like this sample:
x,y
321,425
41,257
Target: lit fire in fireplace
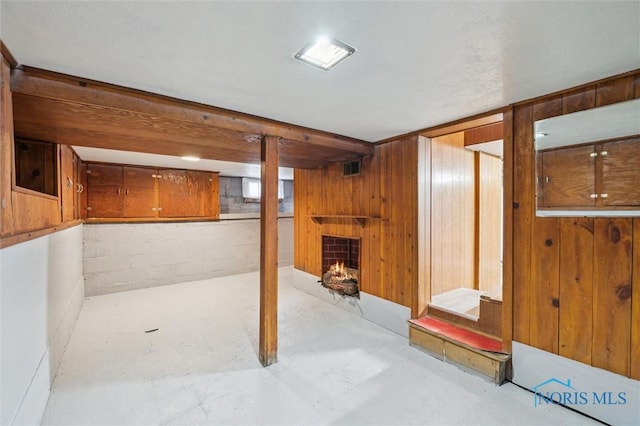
x,y
341,279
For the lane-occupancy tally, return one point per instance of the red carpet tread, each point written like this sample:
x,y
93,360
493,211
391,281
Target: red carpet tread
x,y
458,334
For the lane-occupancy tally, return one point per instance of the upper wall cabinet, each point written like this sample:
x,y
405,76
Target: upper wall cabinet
x,y
142,193
603,175
588,163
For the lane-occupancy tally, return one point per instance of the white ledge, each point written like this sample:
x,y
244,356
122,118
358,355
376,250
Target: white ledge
x,y
240,216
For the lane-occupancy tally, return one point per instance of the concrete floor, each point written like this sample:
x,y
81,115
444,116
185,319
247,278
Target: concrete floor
x,y
201,366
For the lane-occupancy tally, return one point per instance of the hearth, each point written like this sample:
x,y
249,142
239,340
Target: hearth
x,y
340,264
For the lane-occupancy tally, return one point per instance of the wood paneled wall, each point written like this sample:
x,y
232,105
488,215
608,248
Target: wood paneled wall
x,y
386,187
453,213
576,281
489,193
22,211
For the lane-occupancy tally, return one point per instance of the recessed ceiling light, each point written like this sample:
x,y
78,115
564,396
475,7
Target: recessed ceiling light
x,y
190,158
325,53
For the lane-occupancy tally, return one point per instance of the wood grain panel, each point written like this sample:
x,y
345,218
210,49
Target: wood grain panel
x,y
568,177
42,96
544,300
68,183
409,182
621,173
635,303
268,340
547,108
139,192
523,212
375,230
483,134
579,100
576,288
490,222
507,250
387,187
612,294
6,149
184,193
32,212
453,214
618,90
215,195
423,295
105,192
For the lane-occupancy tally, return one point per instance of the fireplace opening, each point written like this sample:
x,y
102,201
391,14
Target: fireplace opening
x,y
340,265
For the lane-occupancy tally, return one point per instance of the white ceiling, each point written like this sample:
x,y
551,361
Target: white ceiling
x,y
417,64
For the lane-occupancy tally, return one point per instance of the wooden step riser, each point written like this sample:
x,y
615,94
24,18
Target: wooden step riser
x,y
489,322
496,367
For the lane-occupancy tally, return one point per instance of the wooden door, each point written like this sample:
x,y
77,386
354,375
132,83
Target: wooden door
x,y
104,191
620,173
184,193
139,192
568,177
67,182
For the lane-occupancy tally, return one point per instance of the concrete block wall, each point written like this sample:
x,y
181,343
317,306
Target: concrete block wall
x,y
231,200
128,256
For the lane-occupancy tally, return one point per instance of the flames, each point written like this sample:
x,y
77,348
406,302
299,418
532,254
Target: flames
x,y
339,271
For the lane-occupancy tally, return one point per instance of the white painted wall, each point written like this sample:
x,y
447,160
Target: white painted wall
x,y
119,257
41,293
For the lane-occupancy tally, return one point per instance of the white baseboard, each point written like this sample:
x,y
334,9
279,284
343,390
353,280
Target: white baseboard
x,y
385,313
590,386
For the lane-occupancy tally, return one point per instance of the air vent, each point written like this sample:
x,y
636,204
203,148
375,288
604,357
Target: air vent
x,y
352,168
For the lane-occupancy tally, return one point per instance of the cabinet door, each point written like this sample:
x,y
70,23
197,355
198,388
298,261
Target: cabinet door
x,y
567,178
68,182
104,191
184,193
139,192
621,173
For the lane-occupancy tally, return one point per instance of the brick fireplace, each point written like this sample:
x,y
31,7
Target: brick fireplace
x,y
341,250
340,264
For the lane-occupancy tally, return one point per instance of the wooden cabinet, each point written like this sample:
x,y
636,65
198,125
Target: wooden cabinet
x,y
104,191
620,173
184,193
139,192
567,177
129,192
69,183
595,176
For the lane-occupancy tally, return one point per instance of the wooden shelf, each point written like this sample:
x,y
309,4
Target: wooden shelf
x,y
360,220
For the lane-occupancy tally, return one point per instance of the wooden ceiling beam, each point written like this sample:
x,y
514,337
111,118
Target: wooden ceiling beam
x,y
50,85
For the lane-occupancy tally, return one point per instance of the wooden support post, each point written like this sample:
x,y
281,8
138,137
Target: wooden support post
x,y
268,346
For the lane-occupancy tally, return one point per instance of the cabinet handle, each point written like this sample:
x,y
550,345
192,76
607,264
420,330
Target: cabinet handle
x,y
593,154
547,179
603,153
594,195
69,183
604,195
126,191
80,188
118,191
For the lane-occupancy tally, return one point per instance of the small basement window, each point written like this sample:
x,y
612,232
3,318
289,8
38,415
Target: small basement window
x,y
36,166
252,190
352,168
